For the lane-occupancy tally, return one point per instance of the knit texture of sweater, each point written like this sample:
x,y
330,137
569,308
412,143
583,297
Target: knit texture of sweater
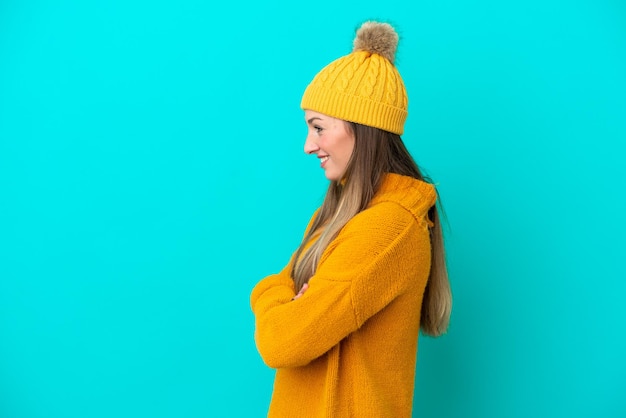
x,y
347,347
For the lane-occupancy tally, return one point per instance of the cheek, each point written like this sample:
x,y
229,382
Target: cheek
x,y
349,148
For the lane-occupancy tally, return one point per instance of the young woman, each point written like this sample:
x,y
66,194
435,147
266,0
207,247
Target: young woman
x,y
340,322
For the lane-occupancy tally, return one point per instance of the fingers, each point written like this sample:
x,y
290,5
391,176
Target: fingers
x,y
301,292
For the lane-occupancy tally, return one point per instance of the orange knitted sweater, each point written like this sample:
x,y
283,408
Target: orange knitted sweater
x,y
347,347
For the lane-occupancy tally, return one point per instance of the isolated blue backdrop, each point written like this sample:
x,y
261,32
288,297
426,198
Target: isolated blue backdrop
x,y
151,172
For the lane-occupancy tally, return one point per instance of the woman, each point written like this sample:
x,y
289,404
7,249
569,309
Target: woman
x,y
340,322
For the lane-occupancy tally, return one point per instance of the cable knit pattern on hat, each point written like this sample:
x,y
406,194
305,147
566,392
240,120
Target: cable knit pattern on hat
x,y
364,86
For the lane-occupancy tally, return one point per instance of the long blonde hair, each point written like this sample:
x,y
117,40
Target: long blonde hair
x,y
376,152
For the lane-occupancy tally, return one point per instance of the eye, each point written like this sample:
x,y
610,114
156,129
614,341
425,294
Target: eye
x,y
318,129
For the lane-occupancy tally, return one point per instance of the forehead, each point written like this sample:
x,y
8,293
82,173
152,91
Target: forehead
x,y
311,114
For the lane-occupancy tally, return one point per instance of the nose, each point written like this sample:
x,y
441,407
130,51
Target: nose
x,y
309,145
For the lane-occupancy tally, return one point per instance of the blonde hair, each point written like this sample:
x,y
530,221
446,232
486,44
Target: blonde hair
x,y
376,152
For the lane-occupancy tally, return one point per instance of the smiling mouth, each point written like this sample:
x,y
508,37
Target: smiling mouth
x,y
323,159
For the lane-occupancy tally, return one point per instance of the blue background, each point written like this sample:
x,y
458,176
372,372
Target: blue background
x,y
151,172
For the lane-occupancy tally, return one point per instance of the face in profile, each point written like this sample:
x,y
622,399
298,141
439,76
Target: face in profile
x,y
331,140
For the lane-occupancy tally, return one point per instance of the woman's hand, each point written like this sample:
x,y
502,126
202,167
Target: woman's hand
x,y
301,292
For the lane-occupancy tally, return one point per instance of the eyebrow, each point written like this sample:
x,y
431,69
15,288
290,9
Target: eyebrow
x,y
312,119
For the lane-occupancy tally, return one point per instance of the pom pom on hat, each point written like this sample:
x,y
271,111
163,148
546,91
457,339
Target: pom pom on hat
x,y
364,86
377,38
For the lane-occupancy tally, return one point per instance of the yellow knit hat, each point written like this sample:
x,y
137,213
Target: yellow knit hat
x,y
363,86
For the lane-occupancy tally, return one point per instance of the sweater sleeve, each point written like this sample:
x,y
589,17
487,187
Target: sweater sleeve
x,y
372,261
